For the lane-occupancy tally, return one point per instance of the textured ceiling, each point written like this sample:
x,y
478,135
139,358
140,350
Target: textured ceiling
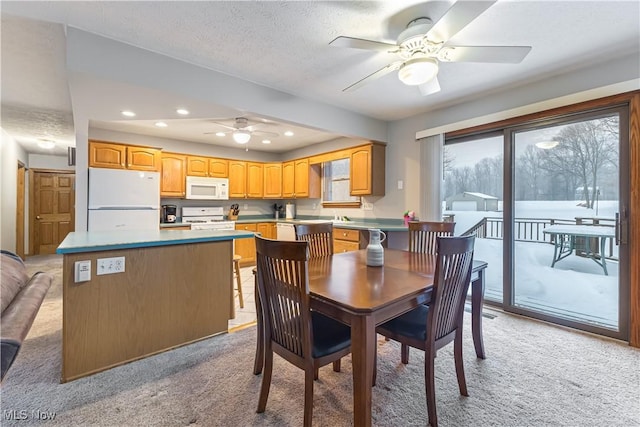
x,y
284,45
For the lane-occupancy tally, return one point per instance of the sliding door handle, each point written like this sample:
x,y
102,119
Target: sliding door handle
x,y
617,229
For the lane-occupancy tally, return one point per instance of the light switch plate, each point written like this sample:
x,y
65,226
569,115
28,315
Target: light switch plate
x,y
82,271
110,265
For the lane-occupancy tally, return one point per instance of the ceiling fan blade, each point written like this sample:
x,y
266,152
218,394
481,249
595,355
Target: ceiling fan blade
x,y
456,18
224,126
432,86
376,75
495,54
355,43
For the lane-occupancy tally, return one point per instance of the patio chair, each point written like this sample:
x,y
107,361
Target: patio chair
x,y
430,328
305,338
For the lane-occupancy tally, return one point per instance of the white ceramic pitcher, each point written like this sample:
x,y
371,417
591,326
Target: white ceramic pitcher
x,y
375,251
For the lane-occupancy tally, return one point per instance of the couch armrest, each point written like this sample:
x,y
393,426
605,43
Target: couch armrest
x,y
18,317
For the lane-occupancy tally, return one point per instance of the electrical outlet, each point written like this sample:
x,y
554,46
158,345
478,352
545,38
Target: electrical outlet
x,y
110,265
367,206
313,206
246,206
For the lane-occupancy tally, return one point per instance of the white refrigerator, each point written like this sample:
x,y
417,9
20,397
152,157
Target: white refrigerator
x,y
123,200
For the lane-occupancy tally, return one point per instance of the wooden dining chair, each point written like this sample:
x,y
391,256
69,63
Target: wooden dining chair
x,y
422,239
423,234
431,327
319,236
307,339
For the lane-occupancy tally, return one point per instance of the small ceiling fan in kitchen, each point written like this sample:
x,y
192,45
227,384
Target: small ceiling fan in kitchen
x,y
423,45
242,129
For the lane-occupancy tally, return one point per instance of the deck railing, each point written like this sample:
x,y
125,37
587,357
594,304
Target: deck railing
x,y
531,230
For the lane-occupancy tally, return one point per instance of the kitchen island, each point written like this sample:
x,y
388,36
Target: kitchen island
x,y
147,292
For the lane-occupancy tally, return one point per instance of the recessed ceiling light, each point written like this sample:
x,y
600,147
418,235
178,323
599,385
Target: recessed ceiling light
x,y
266,141
288,133
546,145
220,134
46,143
161,124
182,111
128,113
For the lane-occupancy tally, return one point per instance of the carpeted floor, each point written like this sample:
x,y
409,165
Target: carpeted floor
x,y
535,375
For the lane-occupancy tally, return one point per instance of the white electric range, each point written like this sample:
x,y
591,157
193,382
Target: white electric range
x,y
206,218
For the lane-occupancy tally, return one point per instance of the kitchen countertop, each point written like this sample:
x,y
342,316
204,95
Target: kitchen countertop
x,y
382,224
83,241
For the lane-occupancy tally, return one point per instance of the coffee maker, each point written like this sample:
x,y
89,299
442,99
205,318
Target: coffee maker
x,y
169,213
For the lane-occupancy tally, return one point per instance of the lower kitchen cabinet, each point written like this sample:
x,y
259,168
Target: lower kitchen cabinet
x,y
267,229
246,248
345,240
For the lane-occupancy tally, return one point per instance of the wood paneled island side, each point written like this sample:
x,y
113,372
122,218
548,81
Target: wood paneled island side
x,y
176,288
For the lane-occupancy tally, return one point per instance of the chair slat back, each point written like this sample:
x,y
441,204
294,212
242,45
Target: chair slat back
x,y
451,283
423,235
284,289
319,236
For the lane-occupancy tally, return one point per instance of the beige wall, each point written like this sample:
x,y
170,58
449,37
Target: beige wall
x,y
10,154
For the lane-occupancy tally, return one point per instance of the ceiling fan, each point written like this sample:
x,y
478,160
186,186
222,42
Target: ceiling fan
x,y
422,45
242,130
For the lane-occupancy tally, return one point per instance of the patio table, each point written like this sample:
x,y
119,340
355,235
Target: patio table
x,y
565,241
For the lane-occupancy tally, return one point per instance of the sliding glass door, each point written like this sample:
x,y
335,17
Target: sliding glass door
x,y
550,230
473,195
566,194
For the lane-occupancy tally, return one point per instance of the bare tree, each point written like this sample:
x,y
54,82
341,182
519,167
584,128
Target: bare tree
x,y
585,149
528,173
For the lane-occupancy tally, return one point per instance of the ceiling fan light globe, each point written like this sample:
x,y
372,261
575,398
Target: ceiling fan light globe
x,y
241,136
418,71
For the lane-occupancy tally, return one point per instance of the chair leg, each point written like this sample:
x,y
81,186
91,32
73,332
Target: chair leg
x,y
259,359
429,381
457,353
404,354
266,379
308,397
236,267
316,373
336,365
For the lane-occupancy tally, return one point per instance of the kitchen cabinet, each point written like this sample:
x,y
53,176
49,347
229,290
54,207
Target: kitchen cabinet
x,y
173,175
245,180
207,166
111,155
246,248
267,229
300,179
272,181
218,168
367,173
345,240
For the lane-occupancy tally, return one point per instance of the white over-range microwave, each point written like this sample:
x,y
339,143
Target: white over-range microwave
x,y
200,188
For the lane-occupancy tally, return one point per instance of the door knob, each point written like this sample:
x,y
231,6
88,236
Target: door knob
x,y
38,217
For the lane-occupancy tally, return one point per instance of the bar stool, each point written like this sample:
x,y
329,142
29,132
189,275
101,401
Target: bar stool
x,y
236,270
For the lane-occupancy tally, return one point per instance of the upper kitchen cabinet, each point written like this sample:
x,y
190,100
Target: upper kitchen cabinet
x,y
207,166
245,180
218,168
272,180
300,179
367,170
173,175
120,156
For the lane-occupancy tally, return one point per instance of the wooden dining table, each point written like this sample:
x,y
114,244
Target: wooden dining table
x,y
343,287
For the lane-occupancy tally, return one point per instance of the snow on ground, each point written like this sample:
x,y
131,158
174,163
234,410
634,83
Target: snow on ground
x,y
575,288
